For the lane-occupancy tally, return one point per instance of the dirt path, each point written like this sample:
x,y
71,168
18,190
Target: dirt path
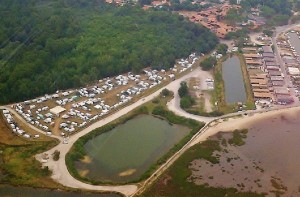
x,y
207,102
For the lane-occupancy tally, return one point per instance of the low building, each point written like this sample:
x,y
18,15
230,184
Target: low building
x,y
253,62
269,59
293,71
252,55
281,91
276,78
259,81
277,83
284,99
249,49
276,68
272,64
57,110
259,86
268,55
263,95
259,76
274,73
267,49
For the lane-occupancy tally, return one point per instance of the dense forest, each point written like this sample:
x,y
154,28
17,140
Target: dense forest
x,y
50,45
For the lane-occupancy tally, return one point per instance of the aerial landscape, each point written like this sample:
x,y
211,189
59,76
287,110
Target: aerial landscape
x,y
149,98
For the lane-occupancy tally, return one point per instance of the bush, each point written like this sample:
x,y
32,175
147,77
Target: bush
x,y
186,102
208,63
183,90
165,92
56,155
222,49
209,114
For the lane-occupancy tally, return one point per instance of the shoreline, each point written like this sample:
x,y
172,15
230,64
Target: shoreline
x,y
240,123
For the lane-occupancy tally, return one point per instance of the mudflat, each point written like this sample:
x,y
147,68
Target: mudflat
x,y
268,162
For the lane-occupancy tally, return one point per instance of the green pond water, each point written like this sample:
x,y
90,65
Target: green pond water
x,y
10,191
126,152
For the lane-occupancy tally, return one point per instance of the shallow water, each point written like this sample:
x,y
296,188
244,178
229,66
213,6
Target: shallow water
x,y
233,81
126,152
271,153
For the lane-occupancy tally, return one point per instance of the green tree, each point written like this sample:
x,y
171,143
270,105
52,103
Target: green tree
x,y
165,92
222,49
208,63
267,11
183,90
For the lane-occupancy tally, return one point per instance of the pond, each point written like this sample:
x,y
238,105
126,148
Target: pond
x,y
295,41
126,152
10,191
233,81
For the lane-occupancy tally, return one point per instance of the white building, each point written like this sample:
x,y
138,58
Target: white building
x,y
57,110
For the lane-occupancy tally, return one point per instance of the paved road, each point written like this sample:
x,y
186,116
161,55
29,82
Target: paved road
x,y
287,79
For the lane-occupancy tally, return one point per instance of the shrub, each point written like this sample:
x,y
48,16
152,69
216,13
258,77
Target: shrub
x,y
56,155
165,92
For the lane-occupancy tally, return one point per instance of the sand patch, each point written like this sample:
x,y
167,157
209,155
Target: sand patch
x,y
83,173
86,159
127,172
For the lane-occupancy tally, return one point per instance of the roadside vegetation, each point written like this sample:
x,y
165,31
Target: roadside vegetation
x,y
156,107
52,45
174,181
208,63
186,100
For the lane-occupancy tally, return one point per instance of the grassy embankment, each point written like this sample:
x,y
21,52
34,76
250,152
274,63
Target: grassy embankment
x,y
250,98
174,181
156,107
219,92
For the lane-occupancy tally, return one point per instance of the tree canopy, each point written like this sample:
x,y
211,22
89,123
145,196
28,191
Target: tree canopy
x,y
50,45
208,63
276,11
